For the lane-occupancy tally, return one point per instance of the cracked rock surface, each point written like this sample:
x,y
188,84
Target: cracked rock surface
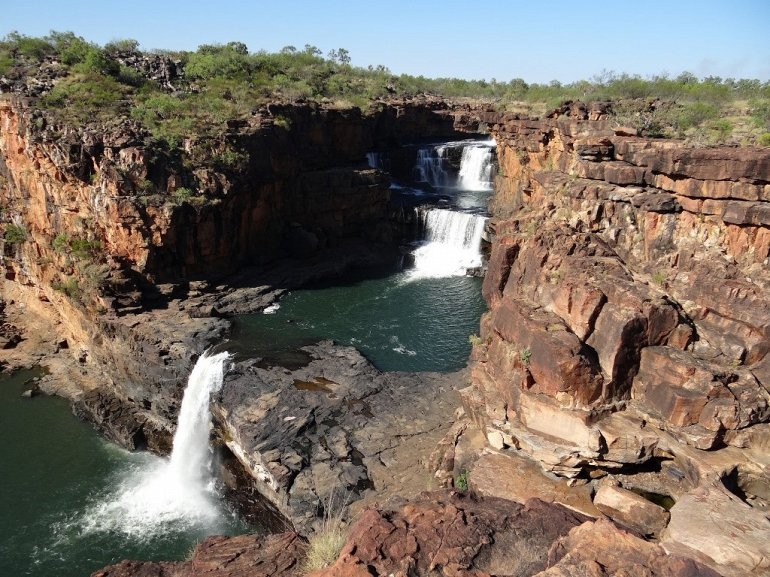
x,y
335,432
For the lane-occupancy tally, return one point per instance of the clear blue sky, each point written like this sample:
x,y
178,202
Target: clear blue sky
x,y
537,40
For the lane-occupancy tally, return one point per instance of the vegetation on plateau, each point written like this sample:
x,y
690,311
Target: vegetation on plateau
x,y
222,82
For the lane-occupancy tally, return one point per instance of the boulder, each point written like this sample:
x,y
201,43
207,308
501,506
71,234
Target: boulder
x,y
278,555
554,358
631,510
510,476
453,535
599,548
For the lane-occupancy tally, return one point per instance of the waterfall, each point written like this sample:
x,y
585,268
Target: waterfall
x,y
452,244
175,493
374,159
191,456
476,167
464,164
430,166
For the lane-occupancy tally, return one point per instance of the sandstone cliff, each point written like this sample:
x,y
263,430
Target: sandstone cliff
x,y
125,251
629,324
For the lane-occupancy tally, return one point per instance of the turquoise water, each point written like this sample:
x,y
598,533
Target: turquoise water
x,y
397,323
59,479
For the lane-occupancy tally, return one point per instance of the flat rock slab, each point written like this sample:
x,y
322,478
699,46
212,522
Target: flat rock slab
x,y
599,548
715,526
240,556
516,478
335,429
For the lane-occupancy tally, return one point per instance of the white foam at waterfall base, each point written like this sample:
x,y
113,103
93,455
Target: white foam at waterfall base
x,y
452,245
170,494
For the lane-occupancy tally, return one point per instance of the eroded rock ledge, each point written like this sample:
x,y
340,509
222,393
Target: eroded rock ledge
x,y
446,534
334,431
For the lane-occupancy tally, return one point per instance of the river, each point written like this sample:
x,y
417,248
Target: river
x,y
72,502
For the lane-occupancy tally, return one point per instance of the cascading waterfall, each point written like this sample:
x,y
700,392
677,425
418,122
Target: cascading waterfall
x,y
476,167
430,166
177,493
452,244
374,160
438,165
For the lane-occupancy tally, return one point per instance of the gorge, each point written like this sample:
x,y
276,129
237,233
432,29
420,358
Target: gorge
x,y
624,350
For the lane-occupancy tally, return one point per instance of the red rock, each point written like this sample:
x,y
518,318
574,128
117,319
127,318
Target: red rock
x,y
623,173
618,336
678,387
453,535
598,549
631,510
279,555
553,357
504,252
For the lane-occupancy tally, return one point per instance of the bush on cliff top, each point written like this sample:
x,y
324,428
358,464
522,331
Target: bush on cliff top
x,y
224,81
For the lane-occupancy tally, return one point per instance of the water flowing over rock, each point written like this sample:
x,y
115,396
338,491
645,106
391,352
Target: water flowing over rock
x,y
463,164
452,243
476,167
180,491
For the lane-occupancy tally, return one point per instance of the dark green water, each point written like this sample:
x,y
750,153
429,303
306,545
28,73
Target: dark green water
x,y
399,324
67,495
61,484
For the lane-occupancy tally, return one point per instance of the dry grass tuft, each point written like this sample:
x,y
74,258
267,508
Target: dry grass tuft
x,y
325,544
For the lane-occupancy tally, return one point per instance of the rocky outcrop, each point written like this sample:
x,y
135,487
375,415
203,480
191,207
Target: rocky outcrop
x,y
443,533
335,430
453,535
599,548
241,556
628,329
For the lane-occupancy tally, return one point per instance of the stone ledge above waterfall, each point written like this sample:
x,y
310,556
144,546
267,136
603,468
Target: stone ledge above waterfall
x,y
335,425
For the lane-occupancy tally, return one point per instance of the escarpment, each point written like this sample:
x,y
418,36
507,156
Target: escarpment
x,y
625,348
629,324
136,253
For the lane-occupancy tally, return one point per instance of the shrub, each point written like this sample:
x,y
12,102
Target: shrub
x,y
84,249
14,234
182,194
28,47
283,122
760,113
764,139
693,114
123,45
69,287
461,480
721,130
61,243
233,160
85,97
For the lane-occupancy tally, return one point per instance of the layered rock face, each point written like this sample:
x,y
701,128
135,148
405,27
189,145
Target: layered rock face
x,y
125,246
629,319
